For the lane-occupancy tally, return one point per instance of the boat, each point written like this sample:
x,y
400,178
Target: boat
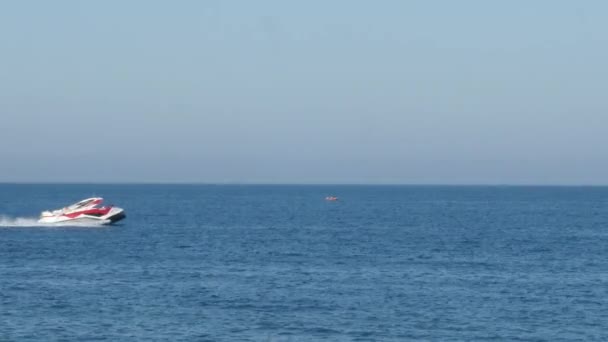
x,y
90,210
331,198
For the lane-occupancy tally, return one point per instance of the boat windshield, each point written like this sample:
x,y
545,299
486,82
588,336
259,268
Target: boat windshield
x,y
85,203
82,204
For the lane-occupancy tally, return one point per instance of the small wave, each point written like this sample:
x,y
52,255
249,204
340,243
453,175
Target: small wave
x,y
33,222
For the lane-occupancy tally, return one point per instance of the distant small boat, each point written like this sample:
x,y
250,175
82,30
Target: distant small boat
x,y
331,198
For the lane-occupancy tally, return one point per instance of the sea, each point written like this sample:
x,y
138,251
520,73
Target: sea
x,y
281,263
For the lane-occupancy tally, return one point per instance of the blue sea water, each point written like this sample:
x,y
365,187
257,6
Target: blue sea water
x,y
279,263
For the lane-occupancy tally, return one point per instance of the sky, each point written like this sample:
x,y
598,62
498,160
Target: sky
x,y
355,92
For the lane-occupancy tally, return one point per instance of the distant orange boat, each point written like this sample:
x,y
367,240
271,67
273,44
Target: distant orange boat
x,y
331,198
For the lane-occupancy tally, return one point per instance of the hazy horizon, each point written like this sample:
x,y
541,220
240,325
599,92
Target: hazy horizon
x,y
406,93
413,185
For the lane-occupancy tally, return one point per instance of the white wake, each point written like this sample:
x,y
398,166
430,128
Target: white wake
x,y
6,221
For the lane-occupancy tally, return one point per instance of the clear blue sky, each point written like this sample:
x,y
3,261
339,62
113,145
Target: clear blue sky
x,y
450,92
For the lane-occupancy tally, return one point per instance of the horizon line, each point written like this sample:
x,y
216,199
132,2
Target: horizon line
x,y
302,184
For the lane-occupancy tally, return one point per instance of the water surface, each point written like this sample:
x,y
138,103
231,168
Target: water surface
x,y
279,263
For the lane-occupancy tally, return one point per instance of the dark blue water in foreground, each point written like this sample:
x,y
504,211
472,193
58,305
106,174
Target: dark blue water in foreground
x,y
279,263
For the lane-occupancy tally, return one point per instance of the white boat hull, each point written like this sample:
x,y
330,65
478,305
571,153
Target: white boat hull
x,y
114,215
